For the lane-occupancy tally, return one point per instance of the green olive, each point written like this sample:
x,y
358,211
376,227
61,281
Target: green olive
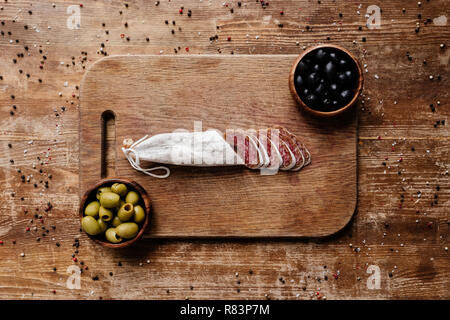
x,y
109,200
102,224
139,214
116,221
120,189
101,190
132,197
105,214
127,230
121,203
112,236
90,225
126,212
92,209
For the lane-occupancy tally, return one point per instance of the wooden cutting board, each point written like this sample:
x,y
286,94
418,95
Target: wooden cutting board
x,y
152,94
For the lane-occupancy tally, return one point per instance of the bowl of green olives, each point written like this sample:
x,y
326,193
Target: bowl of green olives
x,y
115,212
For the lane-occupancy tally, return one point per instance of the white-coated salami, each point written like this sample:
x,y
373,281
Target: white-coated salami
x,y
269,149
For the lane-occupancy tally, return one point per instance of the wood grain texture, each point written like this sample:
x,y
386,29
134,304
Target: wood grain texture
x,y
160,94
404,236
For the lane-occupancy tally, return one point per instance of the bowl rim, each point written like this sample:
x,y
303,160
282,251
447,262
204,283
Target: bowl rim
x,y
129,183
302,104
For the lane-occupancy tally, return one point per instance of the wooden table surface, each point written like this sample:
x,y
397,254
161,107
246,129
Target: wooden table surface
x,y
395,247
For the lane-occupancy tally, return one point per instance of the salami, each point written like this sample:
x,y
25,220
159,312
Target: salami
x,y
292,142
246,146
305,152
270,149
270,142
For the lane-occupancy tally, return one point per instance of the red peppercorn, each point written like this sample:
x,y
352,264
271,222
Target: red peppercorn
x,y
187,49
27,229
75,259
1,242
181,11
229,38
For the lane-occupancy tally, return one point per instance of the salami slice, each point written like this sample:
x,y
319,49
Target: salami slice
x,y
255,151
292,143
246,146
288,158
271,145
292,159
262,149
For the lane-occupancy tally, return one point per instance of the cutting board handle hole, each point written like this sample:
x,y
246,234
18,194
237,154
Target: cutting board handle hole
x,y
108,158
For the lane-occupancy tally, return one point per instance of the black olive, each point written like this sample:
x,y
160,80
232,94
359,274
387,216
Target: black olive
x,y
333,57
312,100
341,78
302,68
320,55
313,79
349,76
299,81
315,68
320,90
334,90
343,64
346,96
330,70
326,103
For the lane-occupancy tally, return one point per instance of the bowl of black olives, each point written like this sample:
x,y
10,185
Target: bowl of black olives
x,y
326,80
115,212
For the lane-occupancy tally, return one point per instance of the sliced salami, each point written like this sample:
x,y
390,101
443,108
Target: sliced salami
x,y
271,149
292,143
288,158
262,149
271,143
255,151
246,146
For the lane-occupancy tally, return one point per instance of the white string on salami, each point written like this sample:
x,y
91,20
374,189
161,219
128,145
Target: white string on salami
x,y
268,150
135,163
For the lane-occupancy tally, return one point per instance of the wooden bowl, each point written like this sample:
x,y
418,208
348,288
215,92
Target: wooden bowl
x,y
131,185
324,114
